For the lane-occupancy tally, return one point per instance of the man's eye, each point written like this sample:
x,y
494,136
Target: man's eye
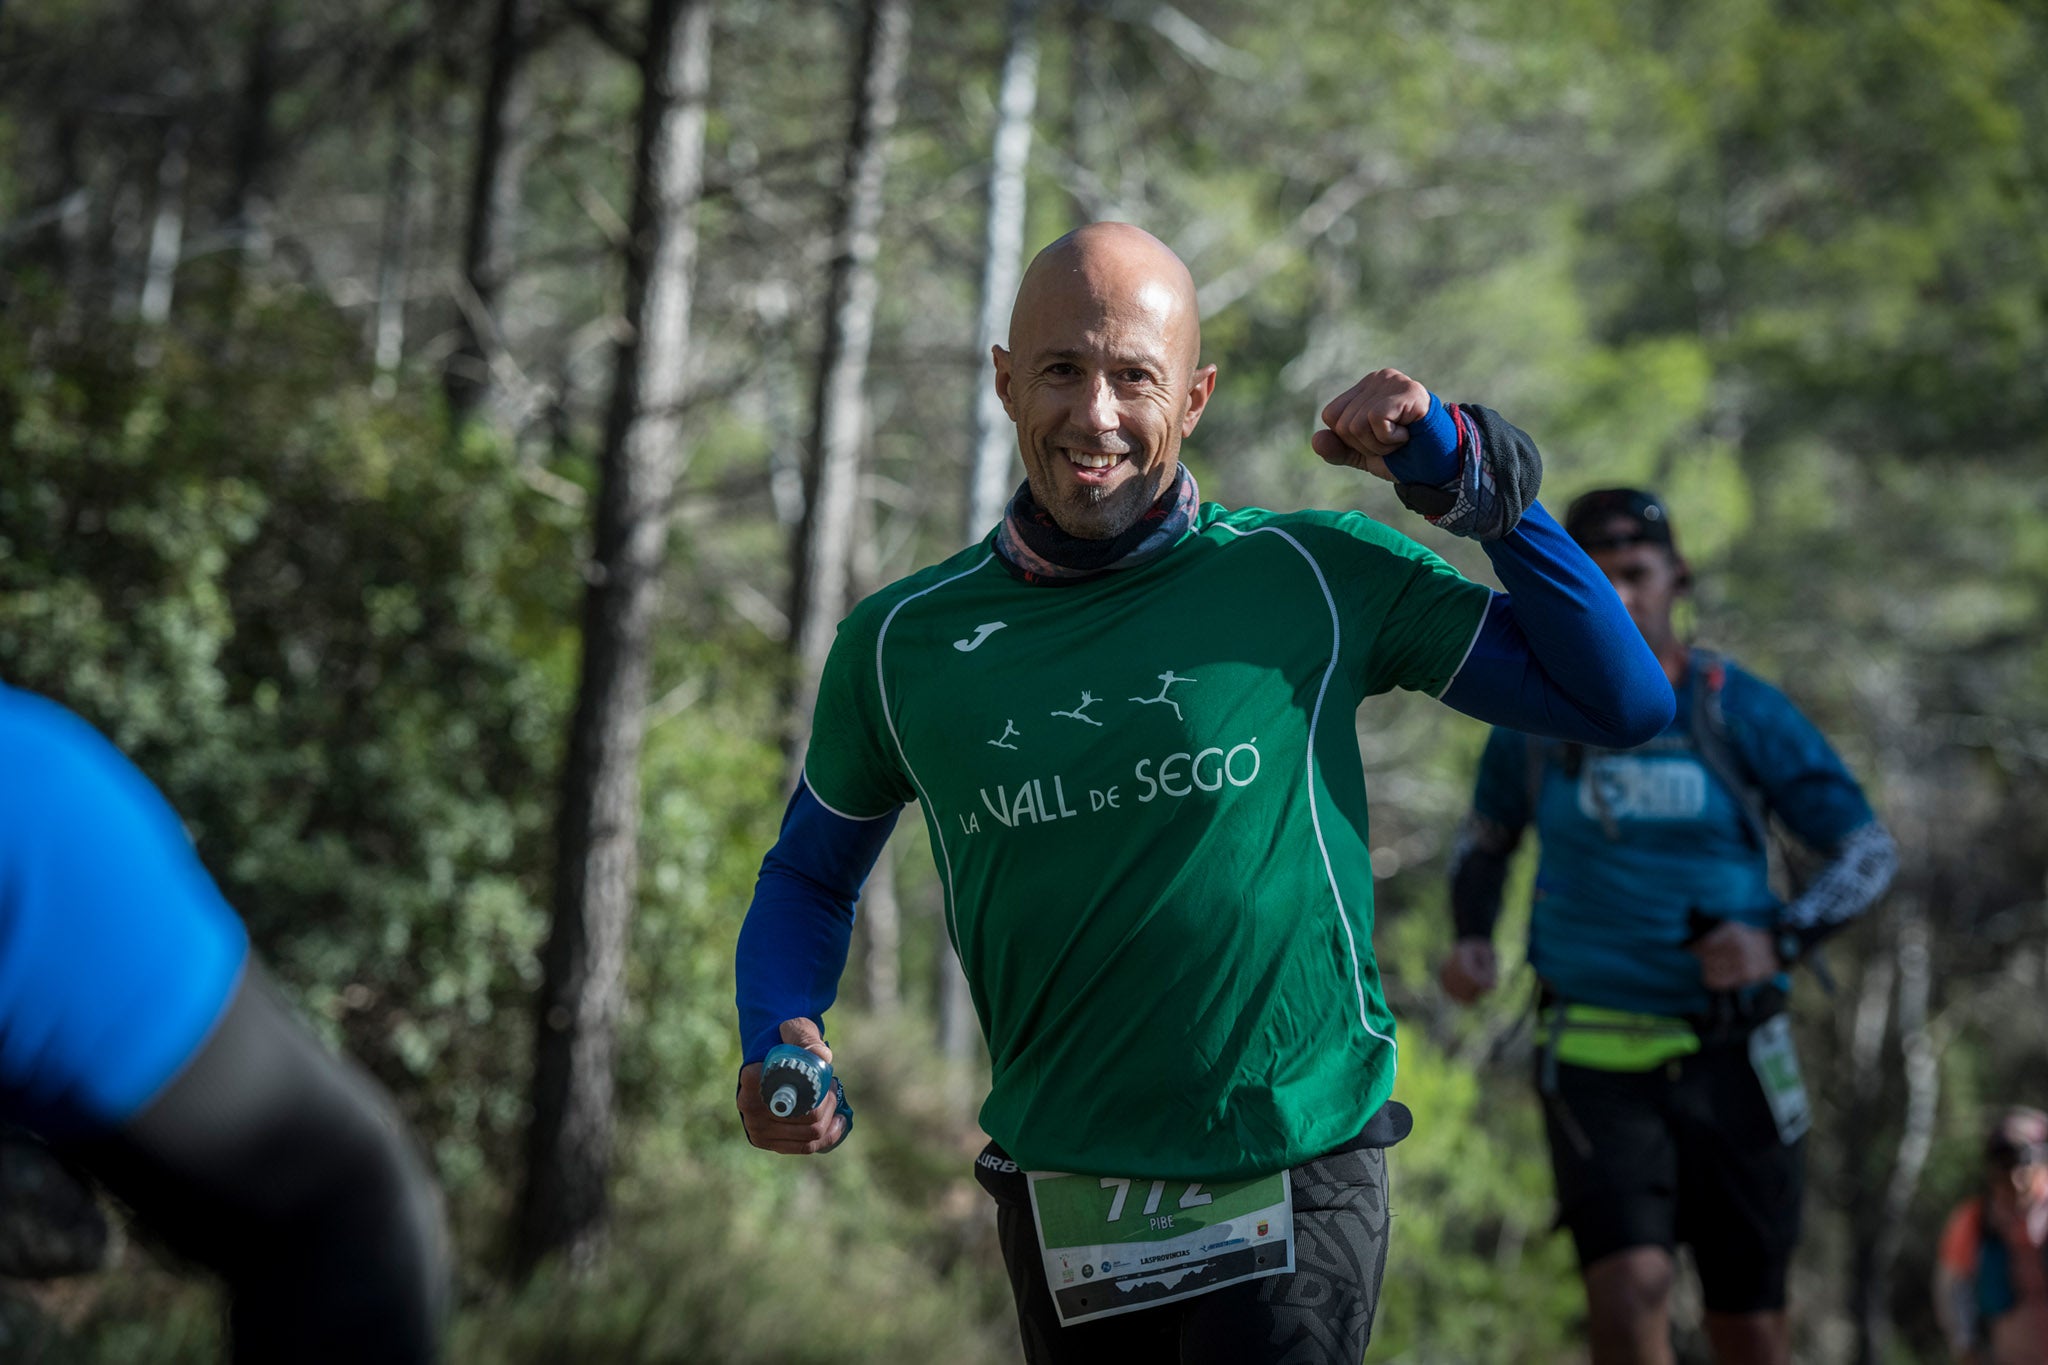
x,y
1134,377
1062,368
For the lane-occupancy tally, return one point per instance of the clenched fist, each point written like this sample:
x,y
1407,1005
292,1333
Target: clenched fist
x,y
1369,421
1470,971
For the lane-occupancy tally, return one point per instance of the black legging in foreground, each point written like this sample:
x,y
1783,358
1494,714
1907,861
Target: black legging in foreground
x,y
286,1171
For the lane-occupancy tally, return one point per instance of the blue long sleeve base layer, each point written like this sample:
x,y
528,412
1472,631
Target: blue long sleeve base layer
x,y
1557,654
792,948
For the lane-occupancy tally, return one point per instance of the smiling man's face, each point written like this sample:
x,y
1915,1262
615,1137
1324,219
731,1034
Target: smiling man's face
x,y
1100,377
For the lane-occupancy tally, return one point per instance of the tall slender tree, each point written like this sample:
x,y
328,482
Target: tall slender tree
x,y
988,482
824,542
243,211
564,1206
166,227
394,248
493,211
994,444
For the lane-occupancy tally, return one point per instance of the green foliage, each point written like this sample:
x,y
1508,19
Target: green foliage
x,y
727,1257
336,644
1474,1270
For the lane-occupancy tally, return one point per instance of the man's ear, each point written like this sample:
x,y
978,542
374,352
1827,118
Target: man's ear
x,y
1002,361
1199,389
1684,572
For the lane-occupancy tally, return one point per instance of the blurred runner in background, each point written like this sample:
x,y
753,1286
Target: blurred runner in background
x,y
1672,1094
139,1038
1991,1278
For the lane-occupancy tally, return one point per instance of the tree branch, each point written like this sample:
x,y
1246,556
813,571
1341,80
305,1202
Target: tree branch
x,y
1322,213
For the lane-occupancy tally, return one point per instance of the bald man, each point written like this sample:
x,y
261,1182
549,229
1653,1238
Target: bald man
x,y
1128,717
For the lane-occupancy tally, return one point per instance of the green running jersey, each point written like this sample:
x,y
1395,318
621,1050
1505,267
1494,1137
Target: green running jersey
x,y
1148,812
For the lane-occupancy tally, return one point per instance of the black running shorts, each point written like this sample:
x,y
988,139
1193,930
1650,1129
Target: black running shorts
x,y
1685,1153
1321,1314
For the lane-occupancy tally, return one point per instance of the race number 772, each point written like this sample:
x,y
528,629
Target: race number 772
x,y
1191,1198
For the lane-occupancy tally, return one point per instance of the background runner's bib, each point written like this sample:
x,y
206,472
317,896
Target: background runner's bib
x,y
1148,813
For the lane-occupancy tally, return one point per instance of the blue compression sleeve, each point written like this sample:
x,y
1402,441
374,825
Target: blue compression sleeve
x,y
1557,654
792,947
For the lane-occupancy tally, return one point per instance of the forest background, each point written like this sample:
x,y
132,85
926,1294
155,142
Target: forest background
x,y
437,437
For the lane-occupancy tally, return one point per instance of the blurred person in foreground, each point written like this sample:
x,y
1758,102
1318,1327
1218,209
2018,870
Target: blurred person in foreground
x,y
1129,718
1672,1095
139,1039
1991,1275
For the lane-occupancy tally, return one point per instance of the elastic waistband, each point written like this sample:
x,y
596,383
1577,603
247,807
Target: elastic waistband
x,y
999,1174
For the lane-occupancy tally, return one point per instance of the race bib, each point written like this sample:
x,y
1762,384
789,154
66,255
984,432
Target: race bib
x,y
1776,1061
1112,1245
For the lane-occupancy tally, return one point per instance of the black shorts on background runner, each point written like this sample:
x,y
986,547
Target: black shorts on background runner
x,y
1684,1153
1321,1314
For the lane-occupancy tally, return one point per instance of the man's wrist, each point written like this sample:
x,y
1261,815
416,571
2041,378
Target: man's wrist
x,y
1429,458
1468,927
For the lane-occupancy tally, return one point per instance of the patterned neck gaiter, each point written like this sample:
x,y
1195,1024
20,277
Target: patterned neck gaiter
x,y
1034,549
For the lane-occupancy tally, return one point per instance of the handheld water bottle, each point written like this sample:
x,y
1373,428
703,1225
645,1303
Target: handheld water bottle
x,y
794,1080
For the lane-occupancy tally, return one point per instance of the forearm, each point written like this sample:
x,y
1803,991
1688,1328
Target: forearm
x,y
792,948
1558,655
1955,1309
1859,872
1479,870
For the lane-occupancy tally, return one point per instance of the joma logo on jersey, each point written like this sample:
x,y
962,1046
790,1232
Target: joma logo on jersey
x,y
981,632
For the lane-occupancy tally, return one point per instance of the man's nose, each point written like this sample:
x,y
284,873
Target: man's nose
x,y
1099,410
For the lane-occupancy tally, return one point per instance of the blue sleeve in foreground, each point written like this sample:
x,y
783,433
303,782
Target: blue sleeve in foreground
x,y
1557,654
792,948
117,952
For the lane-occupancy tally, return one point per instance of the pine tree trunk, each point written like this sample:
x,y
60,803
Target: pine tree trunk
x,y
166,243
394,252
1869,1098
494,195
995,442
1089,151
957,1027
879,915
881,922
244,213
839,413
1922,1076
564,1206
